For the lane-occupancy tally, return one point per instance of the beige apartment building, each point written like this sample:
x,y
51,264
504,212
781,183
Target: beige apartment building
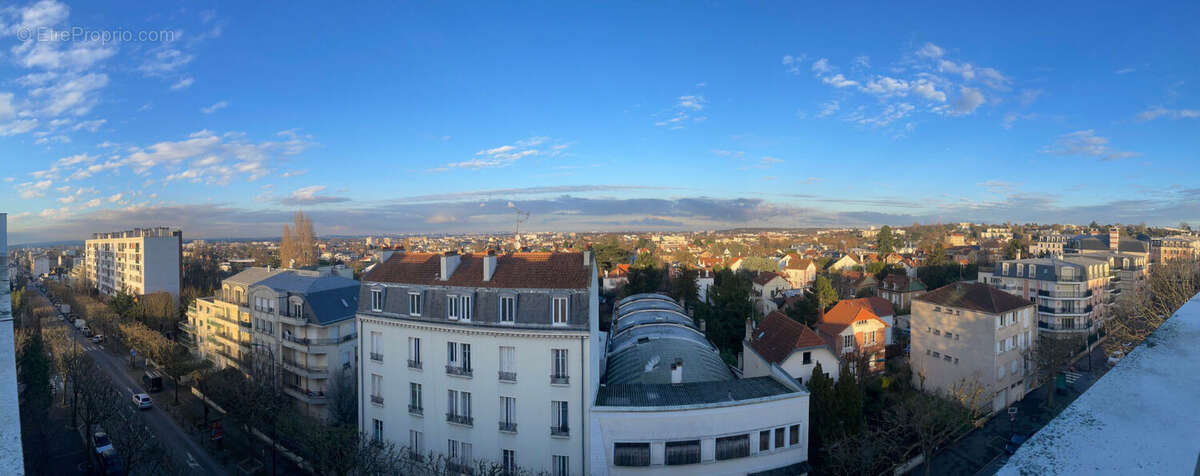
x,y
139,261
303,320
1072,293
965,333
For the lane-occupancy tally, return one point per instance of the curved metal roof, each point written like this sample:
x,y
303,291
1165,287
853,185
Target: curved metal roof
x,y
650,333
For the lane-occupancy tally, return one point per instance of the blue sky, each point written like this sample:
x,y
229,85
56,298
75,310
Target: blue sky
x,y
223,118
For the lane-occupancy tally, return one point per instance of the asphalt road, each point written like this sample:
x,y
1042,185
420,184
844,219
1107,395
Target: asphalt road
x,y
190,457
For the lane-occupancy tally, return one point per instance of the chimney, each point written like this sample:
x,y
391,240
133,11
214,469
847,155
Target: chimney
x,y
587,256
489,265
677,372
450,261
749,329
1114,238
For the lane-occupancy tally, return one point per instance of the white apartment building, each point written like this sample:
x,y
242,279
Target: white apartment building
x,y
482,357
1072,293
1049,245
669,405
967,333
302,319
139,261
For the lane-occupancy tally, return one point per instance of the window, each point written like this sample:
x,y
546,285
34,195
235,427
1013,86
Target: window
x,y
559,418
1000,372
459,452
377,425
377,389
466,357
414,352
794,435
376,299
508,309
297,309
559,311
508,461
416,442
452,402
847,341
452,307
1015,367
558,366
683,452
779,437
508,414
414,304
376,352
764,440
508,357
730,447
465,311
559,466
870,337
451,353
633,454
807,358
414,398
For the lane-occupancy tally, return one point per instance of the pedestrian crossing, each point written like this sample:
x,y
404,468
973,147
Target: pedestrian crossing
x,y
1072,376
90,347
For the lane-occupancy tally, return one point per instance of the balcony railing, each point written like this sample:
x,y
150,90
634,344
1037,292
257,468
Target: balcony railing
x,y
508,376
508,427
414,364
1065,294
318,341
460,419
560,380
458,371
376,356
562,430
310,394
287,362
416,410
1076,311
377,399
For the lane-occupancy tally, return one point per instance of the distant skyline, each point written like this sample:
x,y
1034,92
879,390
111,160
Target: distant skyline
x,y
224,119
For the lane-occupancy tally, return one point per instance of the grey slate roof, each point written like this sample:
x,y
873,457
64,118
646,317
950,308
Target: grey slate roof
x,y
695,393
251,276
650,333
328,298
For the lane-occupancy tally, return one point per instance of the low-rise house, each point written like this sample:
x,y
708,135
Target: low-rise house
x,y
800,272
769,286
965,334
845,263
779,340
616,278
855,327
900,289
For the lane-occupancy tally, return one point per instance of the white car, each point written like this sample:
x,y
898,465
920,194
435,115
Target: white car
x,y
100,441
142,401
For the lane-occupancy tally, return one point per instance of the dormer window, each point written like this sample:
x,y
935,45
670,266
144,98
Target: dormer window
x,y
377,300
559,308
297,309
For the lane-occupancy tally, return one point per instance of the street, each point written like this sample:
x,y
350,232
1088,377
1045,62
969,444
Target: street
x,y
188,456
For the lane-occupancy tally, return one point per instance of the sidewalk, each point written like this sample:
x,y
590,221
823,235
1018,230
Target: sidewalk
x,y
981,452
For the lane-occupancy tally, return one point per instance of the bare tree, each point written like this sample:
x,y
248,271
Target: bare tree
x,y
298,246
343,405
1052,355
1137,313
99,401
930,419
136,444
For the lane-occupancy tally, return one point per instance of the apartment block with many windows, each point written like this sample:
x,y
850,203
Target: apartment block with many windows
x,y
139,261
1072,293
971,333
482,357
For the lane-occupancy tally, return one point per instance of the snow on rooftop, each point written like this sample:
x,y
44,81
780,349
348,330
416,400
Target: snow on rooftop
x,y
1142,417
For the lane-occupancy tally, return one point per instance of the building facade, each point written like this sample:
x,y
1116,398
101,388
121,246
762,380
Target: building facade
x,y
482,357
1072,293
859,328
900,289
669,405
971,333
1174,248
779,340
1051,245
139,261
11,455
301,320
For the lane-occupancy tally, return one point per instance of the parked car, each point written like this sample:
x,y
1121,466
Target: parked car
x,y
152,381
142,401
100,441
1015,442
110,463
98,338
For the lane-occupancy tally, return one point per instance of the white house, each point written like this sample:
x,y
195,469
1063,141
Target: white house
x,y
779,340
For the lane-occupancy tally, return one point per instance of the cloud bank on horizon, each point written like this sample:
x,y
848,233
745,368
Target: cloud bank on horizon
x,y
217,121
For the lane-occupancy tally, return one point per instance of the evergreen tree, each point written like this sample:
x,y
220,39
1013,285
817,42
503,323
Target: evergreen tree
x,y
849,401
826,295
822,408
725,314
884,241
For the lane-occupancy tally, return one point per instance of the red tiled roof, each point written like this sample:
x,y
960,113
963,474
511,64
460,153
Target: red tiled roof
x,y
766,277
799,263
515,270
850,311
778,336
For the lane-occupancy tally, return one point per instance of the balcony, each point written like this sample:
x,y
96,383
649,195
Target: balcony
x,y
460,419
304,394
1065,294
305,342
414,364
377,357
508,376
1082,311
416,410
377,399
458,371
304,368
508,427
560,431
560,380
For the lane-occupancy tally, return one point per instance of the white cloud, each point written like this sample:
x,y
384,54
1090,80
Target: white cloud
x,y
839,81
792,63
962,69
1086,143
681,113
30,190
821,66
968,101
90,126
926,89
310,196
1159,111
164,59
215,107
114,198
1126,70
183,83
95,202
506,155
930,50
886,86
74,95
694,103
829,108
863,61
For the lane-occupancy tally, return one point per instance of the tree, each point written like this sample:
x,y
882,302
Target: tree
x,y
849,399
757,263
884,241
822,409
825,294
136,444
98,399
122,304
298,246
343,406
1052,355
1013,248
684,287
930,419
643,280
936,255
726,311
1138,312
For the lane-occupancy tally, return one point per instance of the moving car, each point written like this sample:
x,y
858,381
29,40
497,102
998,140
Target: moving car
x,y
98,338
100,441
142,401
152,381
